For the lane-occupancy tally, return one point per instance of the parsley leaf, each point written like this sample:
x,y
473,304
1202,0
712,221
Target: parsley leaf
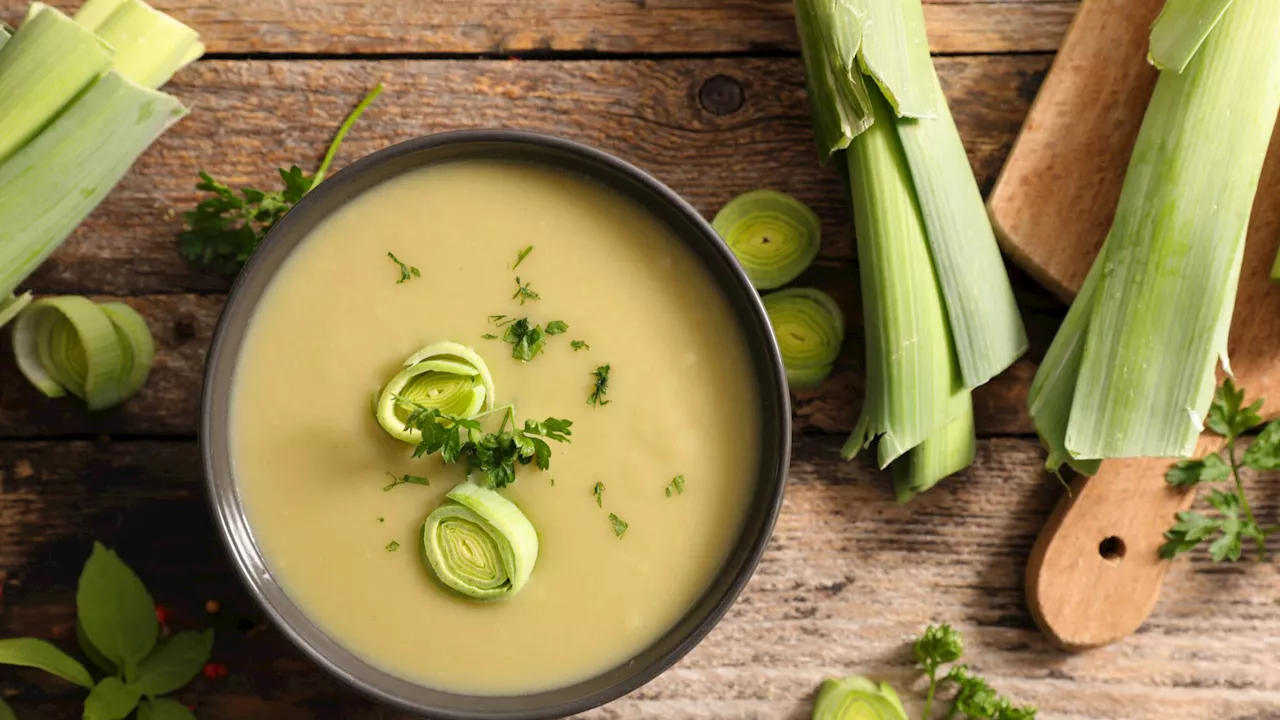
x,y
598,491
523,254
523,292
488,336
1188,473
676,485
596,398
555,327
225,229
1264,453
619,525
579,345
1228,415
406,480
974,698
407,272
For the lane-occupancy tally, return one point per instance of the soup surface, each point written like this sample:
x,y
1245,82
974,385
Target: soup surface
x,y
311,463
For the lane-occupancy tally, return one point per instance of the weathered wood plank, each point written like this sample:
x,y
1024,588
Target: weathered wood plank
x,y
848,579
498,27
183,325
251,117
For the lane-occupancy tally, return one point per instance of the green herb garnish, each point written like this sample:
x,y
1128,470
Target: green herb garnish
x,y
488,336
520,258
619,525
1229,417
579,345
407,272
405,480
527,340
382,520
524,292
393,546
118,629
598,491
500,320
676,485
942,644
224,230
555,327
493,453
596,397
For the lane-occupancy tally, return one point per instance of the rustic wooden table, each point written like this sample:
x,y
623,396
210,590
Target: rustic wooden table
x,y
708,95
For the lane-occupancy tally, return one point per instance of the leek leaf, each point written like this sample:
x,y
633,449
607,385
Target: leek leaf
x,y
150,46
49,186
943,453
1180,30
830,35
895,53
5,34
93,12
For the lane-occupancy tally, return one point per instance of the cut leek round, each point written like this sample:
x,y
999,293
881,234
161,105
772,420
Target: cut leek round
x,y
773,235
99,353
479,543
809,327
443,376
857,698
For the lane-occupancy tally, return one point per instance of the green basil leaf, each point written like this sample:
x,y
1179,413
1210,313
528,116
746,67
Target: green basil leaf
x,y
30,652
164,709
118,613
111,699
175,663
95,655
6,713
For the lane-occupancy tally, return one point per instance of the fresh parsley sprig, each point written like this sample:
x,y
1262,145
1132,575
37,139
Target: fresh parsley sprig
x,y
495,454
1234,521
224,230
118,629
941,645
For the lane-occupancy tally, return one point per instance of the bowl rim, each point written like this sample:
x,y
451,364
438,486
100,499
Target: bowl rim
x,y
228,511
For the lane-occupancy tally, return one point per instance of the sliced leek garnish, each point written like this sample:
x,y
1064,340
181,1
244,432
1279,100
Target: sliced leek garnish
x,y
857,698
773,235
479,543
99,353
444,376
809,328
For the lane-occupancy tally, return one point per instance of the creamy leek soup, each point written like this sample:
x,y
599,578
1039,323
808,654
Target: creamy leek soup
x,y
623,547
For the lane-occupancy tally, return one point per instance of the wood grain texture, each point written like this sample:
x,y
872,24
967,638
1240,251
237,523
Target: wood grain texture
x,y
846,582
501,27
251,117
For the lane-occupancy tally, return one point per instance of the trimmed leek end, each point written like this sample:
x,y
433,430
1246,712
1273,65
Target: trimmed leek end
x,y
830,35
10,306
150,46
444,376
944,453
5,34
774,236
99,353
45,65
1180,30
895,52
857,698
913,382
57,179
93,12
809,328
479,543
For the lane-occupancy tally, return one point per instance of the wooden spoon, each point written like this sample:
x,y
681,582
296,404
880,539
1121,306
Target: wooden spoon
x,y
1095,572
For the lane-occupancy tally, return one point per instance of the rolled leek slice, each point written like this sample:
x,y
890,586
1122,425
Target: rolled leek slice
x,y
857,698
99,353
809,328
444,376
773,235
479,543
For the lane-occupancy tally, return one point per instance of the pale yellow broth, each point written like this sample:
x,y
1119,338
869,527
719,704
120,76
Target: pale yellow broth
x,y
310,462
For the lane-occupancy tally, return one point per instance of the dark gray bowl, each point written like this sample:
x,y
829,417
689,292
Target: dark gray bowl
x,y
775,431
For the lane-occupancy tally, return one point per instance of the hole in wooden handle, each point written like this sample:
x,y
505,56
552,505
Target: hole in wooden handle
x,y
1111,549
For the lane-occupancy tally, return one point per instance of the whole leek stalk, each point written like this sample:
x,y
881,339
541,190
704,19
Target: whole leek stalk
x,y
1131,372
939,311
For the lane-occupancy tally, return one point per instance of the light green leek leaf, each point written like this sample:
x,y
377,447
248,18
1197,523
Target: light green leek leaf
x,y
895,52
1181,29
150,46
944,453
857,698
983,315
5,34
773,235
46,64
10,306
809,329
49,186
480,544
912,374
1171,261
444,376
830,35
137,347
68,344
93,12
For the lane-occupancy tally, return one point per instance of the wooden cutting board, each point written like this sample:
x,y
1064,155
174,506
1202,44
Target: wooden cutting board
x,y
1095,573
